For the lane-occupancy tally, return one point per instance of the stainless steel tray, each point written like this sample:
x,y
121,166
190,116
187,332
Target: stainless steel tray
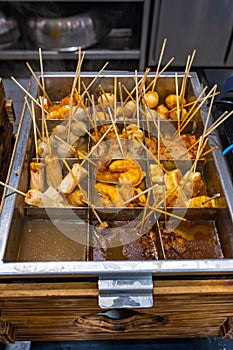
x,y
135,276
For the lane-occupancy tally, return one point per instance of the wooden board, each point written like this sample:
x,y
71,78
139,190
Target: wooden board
x,y
69,311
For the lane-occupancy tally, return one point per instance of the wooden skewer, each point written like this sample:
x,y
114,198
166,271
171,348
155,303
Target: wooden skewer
x,y
196,110
187,70
218,122
144,214
159,134
42,74
167,213
30,111
26,92
74,149
45,125
183,85
89,117
203,143
133,90
105,95
97,144
139,194
159,63
77,73
122,103
186,119
142,83
39,83
115,97
137,101
215,196
197,100
86,200
164,68
209,151
35,135
177,104
117,136
147,150
13,189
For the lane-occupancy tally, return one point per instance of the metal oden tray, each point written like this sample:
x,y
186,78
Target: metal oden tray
x,y
59,241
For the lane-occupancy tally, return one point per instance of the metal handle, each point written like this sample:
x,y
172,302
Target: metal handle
x,y
124,291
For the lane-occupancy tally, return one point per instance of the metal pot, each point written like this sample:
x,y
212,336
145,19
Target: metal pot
x,y
9,32
65,33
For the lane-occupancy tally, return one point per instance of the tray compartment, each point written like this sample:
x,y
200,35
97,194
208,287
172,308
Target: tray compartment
x,y
123,240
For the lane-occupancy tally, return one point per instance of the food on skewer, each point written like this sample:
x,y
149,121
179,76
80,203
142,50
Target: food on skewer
x,y
151,99
128,169
77,198
69,183
192,183
201,202
43,147
171,101
118,181
176,189
120,170
49,198
156,173
132,132
173,147
173,115
37,176
53,171
106,98
163,111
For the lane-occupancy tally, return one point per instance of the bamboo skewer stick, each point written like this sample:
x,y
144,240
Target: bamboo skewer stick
x,y
117,136
86,200
167,213
198,99
177,104
26,92
137,101
144,213
139,194
186,118
13,189
30,111
76,77
97,144
161,72
45,126
183,85
197,109
92,102
35,135
159,144
133,90
42,74
122,103
96,114
39,83
215,196
201,142
74,149
159,63
209,151
115,98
